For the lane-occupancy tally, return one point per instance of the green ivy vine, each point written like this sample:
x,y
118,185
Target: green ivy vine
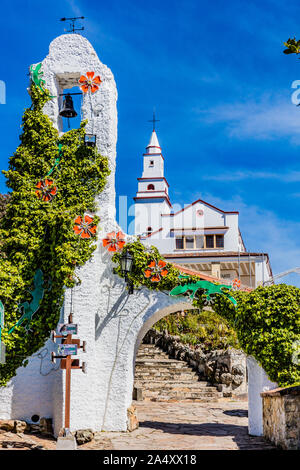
x,y
38,234
266,320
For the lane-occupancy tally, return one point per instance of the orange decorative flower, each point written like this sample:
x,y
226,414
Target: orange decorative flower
x,y
89,82
156,271
45,190
236,283
85,227
113,241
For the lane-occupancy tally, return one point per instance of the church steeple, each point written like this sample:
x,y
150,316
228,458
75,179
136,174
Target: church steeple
x,y
153,146
153,163
152,197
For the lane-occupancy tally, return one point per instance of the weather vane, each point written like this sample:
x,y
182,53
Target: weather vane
x,y
72,24
154,120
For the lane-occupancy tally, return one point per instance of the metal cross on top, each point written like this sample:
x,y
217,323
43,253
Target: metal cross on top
x,y
154,120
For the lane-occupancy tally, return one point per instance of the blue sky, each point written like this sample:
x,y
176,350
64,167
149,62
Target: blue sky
x,y
221,86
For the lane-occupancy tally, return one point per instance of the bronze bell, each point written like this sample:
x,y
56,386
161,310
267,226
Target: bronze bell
x,y
68,110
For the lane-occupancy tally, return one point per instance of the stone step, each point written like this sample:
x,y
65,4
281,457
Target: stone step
x,y
185,398
151,357
180,396
152,354
164,371
161,363
187,388
175,385
163,376
164,360
150,348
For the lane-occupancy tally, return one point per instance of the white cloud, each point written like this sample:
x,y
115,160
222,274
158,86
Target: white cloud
x,y
74,7
288,177
265,119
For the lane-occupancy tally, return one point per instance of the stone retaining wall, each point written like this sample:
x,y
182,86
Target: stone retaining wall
x,y
281,417
225,368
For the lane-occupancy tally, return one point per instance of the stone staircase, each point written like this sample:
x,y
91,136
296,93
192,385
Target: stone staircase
x,y
163,379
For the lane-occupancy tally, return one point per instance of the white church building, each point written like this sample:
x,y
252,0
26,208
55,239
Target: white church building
x,y
199,236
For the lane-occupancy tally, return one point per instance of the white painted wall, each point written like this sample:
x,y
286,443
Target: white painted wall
x,y
261,270
157,169
231,237
148,215
188,219
258,382
159,185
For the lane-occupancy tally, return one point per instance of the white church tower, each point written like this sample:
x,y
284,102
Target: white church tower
x,y
152,197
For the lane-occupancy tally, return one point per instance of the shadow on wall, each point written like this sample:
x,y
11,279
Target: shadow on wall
x,y
33,394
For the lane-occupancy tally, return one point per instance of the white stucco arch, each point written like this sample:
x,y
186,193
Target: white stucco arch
x,y
158,315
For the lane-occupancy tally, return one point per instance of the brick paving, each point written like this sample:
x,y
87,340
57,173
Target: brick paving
x,y
221,425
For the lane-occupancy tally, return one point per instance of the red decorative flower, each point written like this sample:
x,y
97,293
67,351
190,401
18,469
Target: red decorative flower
x,y
236,283
156,271
85,227
45,190
89,82
113,241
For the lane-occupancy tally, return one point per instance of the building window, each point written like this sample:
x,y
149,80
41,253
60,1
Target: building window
x,y
149,230
151,163
219,241
179,243
150,187
199,242
209,239
189,243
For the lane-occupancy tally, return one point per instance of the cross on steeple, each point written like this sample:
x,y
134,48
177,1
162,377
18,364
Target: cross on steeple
x,y
154,120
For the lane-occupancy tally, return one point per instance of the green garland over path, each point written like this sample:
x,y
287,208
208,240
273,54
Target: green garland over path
x,y
266,320
37,233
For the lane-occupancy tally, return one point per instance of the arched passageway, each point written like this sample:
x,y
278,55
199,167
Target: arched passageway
x,y
184,424
169,368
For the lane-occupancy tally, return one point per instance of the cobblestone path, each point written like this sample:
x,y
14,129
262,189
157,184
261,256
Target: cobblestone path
x,y
187,426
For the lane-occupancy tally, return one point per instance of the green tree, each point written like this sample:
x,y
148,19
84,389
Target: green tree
x,y
292,46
